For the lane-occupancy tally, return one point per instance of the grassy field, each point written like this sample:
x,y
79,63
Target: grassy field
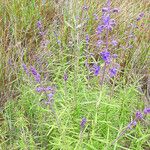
x,y
74,75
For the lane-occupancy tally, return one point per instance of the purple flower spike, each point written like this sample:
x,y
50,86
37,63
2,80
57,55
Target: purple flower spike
x,y
35,74
139,115
105,56
113,72
83,122
33,70
147,111
25,69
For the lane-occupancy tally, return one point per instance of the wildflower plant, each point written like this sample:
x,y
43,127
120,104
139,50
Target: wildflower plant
x,y
139,116
105,26
86,50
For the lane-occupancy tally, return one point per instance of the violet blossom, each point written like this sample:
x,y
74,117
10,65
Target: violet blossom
x,y
105,56
87,39
96,69
146,111
99,29
99,43
108,22
139,115
114,43
95,16
83,122
65,77
25,69
140,16
35,74
113,72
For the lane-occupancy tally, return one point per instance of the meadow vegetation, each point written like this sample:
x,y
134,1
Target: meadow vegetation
x,y
74,74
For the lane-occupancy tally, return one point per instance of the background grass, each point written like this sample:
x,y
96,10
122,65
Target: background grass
x,y
26,122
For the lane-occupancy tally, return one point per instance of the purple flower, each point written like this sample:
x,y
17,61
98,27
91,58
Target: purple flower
x,y
33,70
96,69
50,98
105,56
44,43
95,16
132,124
99,29
108,23
87,39
65,76
37,78
140,16
58,42
139,115
113,72
39,25
40,89
115,10
25,69
114,43
147,111
99,43
85,7
105,9
35,74
48,89
42,33
83,122
114,55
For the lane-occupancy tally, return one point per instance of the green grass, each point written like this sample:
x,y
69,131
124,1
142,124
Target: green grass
x,y
26,123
